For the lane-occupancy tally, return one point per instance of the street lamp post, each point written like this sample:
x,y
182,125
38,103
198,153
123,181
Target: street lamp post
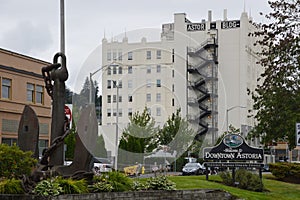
x,y
229,109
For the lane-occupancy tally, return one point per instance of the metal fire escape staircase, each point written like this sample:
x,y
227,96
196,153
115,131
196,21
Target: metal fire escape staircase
x,y
204,57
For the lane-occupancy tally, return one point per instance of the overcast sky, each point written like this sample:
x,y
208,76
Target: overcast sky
x,y
32,27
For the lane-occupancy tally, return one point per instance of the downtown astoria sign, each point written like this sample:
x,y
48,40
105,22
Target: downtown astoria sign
x,y
233,147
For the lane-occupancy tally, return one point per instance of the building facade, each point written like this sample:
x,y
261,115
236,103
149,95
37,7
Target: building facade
x,y
204,68
22,84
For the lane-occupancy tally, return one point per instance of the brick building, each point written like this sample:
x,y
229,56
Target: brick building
x,y
22,84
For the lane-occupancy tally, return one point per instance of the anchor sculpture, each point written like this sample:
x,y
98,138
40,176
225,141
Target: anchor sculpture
x,y
52,158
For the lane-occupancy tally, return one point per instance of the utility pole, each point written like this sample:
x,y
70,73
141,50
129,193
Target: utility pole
x,y
62,26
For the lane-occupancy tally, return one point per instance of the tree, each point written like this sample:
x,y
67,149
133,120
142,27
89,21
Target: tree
x,y
68,96
137,138
176,133
276,100
139,132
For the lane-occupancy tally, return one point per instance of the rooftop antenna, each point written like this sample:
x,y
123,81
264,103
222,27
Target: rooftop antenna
x,y
244,5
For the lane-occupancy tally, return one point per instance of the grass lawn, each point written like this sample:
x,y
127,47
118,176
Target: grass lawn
x,y
276,189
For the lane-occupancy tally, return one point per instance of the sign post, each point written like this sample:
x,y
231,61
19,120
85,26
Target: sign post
x,y
232,152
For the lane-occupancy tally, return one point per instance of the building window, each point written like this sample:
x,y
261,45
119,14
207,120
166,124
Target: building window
x,y
43,144
173,73
158,111
39,94
108,112
115,56
129,83
148,97
120,98
158,68
130,55
129,112
114,69
108,98
148,55
120,55
120,70
173,88
6,88
158,83
173,102
148,83
30,92
158,54
108,56
120,84
109,70
158,97
108,84
114,84
148,69
129,69
114,98
129,98
120,113
114,112
9,141
173,55
149,111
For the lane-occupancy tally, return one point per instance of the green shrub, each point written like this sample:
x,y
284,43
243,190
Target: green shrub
x,y
101,187
226,178
48,188
248,181
160,183
244,179
138,186
15,162
70,186
285,171
11,186
119,181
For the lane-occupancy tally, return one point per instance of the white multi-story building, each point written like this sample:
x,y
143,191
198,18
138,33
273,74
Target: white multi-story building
x,y
204,68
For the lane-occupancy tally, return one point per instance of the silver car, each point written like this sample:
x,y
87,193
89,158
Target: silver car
x,y
193,169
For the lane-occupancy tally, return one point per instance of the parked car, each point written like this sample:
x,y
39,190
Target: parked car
x,y
102,165
193,169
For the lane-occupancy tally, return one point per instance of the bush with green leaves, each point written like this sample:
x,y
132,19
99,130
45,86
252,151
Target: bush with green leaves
x,y
226,177
11,186
286,171
101,186
249,181
59,185
243,179
160,183
138,186
119,181
15,162
48,188
70,186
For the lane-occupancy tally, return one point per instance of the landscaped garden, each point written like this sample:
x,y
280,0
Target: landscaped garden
x,y
15,165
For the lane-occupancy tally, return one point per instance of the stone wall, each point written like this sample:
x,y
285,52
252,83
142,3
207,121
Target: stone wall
x,y
137,195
